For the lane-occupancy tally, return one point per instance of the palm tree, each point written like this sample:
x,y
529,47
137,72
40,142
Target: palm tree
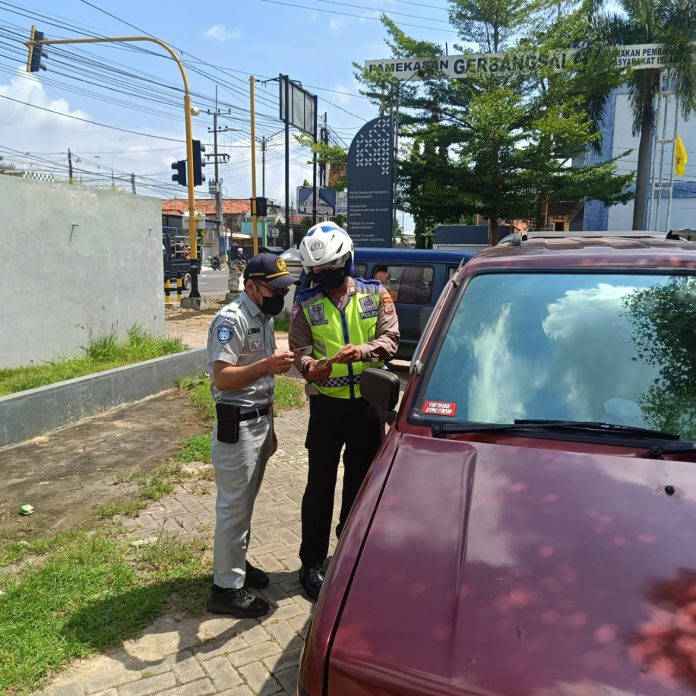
x,y
671,23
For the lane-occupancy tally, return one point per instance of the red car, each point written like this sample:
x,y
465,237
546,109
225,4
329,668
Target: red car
x,y
529,525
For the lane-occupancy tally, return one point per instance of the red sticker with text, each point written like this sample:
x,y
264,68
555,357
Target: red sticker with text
x,y
439,408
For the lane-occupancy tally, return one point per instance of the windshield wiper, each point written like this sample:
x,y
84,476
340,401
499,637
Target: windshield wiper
x,y
599,426
522,425
672,447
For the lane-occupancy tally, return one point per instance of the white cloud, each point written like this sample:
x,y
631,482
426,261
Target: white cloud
x,y
336,23
219,33
344,95
33,132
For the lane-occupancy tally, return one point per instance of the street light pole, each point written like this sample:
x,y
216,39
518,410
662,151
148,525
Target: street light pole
x,y
193,238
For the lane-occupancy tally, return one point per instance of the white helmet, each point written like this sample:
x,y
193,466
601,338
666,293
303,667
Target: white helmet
x,y
326,243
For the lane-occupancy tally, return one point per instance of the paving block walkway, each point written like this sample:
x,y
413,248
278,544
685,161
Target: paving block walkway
x,y
208,654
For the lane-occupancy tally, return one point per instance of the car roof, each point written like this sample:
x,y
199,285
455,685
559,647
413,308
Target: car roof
x,y
588,251
410,255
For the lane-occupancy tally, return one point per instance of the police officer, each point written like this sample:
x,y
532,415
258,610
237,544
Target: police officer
x,y
338,327
242,363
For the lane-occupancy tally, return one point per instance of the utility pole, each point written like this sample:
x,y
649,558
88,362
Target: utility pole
x,y
264,140
70,169
324,139
288,227
133,183
215,187
253,165
314,163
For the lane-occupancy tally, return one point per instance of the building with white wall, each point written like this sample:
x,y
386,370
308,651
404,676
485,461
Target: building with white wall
x,y
617,137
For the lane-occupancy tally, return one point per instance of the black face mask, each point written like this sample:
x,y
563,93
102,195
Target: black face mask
x,y
330,279
273,305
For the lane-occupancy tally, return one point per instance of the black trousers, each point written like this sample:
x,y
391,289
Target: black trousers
x,y
334,423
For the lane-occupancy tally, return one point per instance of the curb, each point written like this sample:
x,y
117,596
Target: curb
x,y
36,411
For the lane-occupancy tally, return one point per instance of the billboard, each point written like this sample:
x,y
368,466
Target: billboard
x,y
514,61
329,201
371,184
301,106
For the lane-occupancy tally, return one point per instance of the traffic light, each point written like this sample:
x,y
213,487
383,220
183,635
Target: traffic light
x,y
36,51
261,207
198,163
180,176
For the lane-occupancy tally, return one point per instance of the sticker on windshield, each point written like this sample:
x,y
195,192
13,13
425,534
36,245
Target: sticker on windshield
x,y
439,408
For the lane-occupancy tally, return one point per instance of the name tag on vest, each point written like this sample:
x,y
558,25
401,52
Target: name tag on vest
x,y
369,308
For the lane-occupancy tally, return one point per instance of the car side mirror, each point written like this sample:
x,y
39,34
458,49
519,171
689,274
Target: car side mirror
x,y
380,388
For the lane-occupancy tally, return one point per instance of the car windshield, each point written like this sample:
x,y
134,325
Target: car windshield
x,y
611,348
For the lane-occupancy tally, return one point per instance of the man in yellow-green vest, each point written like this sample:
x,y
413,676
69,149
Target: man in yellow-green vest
x,y
338,327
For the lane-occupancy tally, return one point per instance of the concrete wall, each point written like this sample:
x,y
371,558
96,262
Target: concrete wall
x,y
77,262
36,411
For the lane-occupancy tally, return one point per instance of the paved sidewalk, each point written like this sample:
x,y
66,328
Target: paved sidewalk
x,y
210,654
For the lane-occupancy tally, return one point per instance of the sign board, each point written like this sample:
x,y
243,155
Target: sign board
x,y
301,106
510,62
371,184
329,201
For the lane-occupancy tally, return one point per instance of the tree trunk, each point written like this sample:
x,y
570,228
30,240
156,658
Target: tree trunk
x,y
640,204
493,234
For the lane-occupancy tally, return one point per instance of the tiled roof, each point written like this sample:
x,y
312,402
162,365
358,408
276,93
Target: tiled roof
x,y
230,206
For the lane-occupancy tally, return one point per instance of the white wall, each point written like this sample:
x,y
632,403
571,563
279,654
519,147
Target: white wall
x,y
76,262
683,208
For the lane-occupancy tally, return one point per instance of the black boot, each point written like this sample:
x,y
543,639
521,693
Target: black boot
x,y
238,602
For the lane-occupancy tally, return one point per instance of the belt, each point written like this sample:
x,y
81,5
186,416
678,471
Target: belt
x,y
255,413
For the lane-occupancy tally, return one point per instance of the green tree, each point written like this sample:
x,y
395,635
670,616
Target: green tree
x,y
668,22
663,319
493,145
326,154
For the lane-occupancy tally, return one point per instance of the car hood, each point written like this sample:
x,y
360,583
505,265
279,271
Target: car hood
x,y
491,569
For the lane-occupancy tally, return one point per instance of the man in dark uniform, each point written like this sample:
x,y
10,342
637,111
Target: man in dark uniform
x,y
242,363
338,327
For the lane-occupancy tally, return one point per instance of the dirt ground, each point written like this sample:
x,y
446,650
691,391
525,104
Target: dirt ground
x,y
189,325
68,473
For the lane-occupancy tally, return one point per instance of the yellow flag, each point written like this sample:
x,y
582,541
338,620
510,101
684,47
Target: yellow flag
x,y
680,157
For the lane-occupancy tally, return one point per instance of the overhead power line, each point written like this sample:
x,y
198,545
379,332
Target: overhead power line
x,y
347,14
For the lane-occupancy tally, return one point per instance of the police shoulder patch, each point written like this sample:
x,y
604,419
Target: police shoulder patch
x,y
225,329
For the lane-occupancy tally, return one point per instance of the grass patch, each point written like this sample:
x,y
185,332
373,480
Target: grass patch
x,y
289,393
91,591
103,353
194,449
129,508
281,323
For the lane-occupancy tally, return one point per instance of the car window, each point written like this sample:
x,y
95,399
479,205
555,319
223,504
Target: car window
x,y
615,348
410,284
451,270
360,269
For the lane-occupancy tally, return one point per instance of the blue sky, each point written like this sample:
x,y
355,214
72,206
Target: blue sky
x,y
229,41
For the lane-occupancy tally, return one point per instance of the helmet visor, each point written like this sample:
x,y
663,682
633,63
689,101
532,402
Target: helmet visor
x,y
340,262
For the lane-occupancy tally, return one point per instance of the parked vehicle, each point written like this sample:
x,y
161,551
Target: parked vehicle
x,y
527,526
175,253
414,278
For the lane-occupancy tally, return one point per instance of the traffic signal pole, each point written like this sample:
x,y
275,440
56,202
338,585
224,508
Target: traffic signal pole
x,y
193,238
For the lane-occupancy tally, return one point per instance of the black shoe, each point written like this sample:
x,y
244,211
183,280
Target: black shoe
x,y
255,578
237,602
312,578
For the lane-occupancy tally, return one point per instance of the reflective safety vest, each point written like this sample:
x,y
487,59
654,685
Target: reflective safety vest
x,y
332,329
